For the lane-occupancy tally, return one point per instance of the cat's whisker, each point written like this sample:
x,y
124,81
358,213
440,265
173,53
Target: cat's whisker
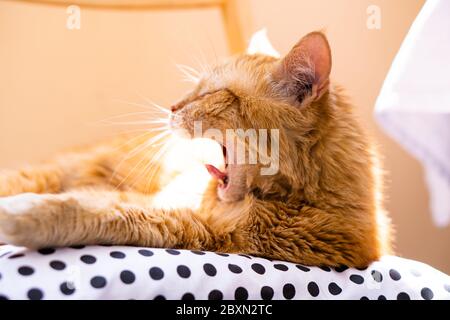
x,y
140,113
153,106
148,166
160,121
135,167
202,65
140,122
135,151
156,158
213,48
204,61
147,131
190,69
132,140
149,143
158,106
191,75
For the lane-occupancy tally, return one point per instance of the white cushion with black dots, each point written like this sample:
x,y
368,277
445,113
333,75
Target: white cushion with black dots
x,y
119,272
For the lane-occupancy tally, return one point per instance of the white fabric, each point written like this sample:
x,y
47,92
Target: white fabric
x,y
118,272
414,103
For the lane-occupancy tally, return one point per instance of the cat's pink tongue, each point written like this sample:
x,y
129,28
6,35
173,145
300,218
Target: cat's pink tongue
x,y
216,173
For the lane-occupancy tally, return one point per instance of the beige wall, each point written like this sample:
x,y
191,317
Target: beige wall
x,y
56,84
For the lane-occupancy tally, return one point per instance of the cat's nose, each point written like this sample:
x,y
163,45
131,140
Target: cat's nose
x,y
175,107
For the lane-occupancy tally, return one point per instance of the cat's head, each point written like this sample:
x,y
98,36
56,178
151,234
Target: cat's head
x,y
259,92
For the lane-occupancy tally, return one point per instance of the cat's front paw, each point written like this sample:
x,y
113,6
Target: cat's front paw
x,y
18,220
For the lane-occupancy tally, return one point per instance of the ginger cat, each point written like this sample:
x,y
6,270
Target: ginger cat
x,y
321,207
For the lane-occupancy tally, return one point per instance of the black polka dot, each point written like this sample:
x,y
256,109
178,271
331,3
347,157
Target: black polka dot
x,y
313,289
427,294
67,288
200,253
394,274
288,291
381,297
222,254
341,268
241,294
209,269
117,255
303,268
159,297
188,296
98,282
215,295
156,273
447,287
234,268
3,297
403,296
80,246
267,293
57,265
17,255
26,270
88,259
325,268
356,278
0,276
334,289
173,252
364,298
35,294
244,255
145,252
258,268
281,267
377,276
183,271
127,277
46,251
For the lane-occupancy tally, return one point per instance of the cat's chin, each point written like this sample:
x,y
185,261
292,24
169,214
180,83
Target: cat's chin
x,y
230,183
227,195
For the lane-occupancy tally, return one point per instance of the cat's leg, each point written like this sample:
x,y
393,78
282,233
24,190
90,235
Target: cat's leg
x,y
117,164
98,217
39,179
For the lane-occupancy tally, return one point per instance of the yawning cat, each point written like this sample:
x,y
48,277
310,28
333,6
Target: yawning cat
x,y
321,207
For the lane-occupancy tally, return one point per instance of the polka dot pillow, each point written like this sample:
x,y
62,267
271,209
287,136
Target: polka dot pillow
x,y
104,272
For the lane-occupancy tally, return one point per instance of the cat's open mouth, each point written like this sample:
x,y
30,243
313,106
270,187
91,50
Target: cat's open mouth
x,y
221,176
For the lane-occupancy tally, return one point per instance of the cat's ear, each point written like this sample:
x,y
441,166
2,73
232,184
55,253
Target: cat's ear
x,y
260,43
304,72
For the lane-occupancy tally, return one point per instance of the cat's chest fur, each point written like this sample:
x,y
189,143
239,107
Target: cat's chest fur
x,y
184,165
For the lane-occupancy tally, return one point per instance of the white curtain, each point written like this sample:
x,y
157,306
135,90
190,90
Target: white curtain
x,y
414,103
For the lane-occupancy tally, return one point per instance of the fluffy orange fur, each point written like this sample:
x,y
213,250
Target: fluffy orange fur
x,y
321,208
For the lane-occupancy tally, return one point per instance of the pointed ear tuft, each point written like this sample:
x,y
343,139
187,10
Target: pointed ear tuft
x,y
305,70
260,43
